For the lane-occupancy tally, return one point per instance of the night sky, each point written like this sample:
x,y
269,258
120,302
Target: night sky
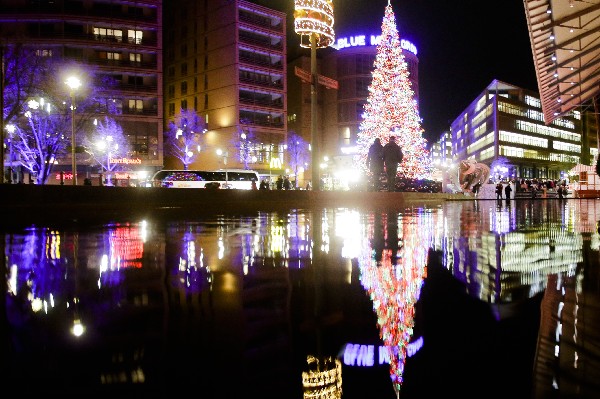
x,y
462,47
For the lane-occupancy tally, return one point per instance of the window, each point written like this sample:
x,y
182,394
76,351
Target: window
x,y
107,34
171,109
184,69
135,36
135,57
184,87
136,106
43,53
184,104
109,55
135,80
171,91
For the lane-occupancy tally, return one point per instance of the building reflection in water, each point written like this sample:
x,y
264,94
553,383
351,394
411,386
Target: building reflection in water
x,y
256,290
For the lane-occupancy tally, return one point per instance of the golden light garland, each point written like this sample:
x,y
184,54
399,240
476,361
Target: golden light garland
x,y
314,17
324,379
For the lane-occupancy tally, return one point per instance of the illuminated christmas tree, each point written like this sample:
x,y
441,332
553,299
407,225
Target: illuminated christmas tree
x,y
394,285
391,108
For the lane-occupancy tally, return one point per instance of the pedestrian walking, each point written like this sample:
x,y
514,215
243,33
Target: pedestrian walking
x,y
507,191
499,191
279,183
392,156
375,162
287,184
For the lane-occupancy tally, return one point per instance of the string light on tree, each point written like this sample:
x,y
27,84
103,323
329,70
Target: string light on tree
x,y
391,109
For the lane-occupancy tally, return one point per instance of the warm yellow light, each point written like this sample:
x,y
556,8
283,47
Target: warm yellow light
x,y
73,82
314,17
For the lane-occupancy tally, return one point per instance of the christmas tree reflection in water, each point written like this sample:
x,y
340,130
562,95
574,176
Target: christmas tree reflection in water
x,y
392,274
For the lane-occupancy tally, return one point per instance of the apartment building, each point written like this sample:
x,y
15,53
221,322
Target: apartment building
x,y
118,40
226,60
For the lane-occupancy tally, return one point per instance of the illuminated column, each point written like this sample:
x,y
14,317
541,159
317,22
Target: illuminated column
x,y
313,21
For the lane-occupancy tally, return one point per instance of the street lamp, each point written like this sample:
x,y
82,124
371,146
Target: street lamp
x,y
74,83
313,21
11,130
224,154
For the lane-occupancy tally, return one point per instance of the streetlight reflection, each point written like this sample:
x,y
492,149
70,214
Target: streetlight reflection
x,y
74,83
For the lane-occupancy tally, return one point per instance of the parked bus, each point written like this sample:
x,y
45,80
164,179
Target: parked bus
x,y
223,178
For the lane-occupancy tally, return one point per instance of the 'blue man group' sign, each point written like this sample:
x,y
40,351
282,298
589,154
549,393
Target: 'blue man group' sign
x,y
361,40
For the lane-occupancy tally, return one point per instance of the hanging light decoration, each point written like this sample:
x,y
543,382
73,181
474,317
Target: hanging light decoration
x,y
314,17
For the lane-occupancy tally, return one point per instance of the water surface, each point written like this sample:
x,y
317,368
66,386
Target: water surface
x,y
479,298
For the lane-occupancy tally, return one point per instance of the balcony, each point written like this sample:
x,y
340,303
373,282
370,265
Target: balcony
x,y
76,11
260,81
261,101
83,38
263,22
151,65
260,41
260,61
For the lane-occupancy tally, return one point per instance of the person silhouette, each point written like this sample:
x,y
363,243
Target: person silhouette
x,y
391,239
507,191
392,157
378,242
375,162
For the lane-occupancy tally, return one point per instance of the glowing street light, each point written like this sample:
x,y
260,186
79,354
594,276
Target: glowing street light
x,y
224,154
11,130
74,83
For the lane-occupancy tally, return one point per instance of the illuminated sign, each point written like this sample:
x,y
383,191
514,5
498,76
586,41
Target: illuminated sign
x,y
130,161
361,40
364,355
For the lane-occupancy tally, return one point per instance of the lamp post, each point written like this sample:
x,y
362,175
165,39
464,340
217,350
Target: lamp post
x,y
74,83
313,21
11,130
224,154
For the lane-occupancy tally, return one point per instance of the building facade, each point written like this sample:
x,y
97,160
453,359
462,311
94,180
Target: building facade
x,y
226,60
507,121
117,40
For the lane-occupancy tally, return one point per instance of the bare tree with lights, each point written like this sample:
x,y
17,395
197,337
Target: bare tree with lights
x,y
183,137
244,144
38,112
106,143
298,153
24,74
39,138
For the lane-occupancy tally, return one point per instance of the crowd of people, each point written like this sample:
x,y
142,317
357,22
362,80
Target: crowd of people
x,y
534,187
282,183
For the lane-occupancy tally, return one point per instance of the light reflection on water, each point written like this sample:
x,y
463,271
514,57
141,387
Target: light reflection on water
x,y
406,300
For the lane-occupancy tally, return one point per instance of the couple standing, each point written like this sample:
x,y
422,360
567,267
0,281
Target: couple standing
x,y
388,156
